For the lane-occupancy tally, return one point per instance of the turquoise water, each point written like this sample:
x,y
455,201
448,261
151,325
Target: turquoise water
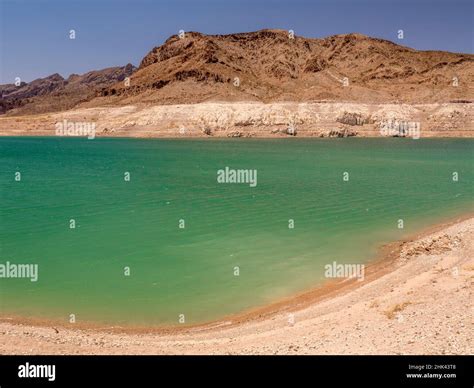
x,y
191,270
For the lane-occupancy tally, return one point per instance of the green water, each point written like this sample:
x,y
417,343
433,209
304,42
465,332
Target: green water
x,y
190,271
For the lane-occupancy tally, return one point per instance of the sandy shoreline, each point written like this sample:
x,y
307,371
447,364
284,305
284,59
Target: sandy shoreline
x,y
252,119
390,312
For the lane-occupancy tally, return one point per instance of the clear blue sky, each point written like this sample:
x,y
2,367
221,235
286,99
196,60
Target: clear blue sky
x,y
34,34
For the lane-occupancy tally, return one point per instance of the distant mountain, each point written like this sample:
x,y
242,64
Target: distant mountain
x,y
267,65
56,93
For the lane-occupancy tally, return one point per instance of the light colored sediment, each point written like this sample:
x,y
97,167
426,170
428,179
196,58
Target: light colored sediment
x,y
420,304
253,119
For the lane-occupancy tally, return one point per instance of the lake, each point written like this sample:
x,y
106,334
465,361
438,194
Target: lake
x,y
144,232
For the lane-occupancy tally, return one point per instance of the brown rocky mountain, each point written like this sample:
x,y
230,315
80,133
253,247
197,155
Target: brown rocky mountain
x,y
55,93
266,66
270,66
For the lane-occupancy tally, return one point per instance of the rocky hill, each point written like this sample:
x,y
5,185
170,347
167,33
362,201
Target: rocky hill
x,y
269,65
55,93
264,66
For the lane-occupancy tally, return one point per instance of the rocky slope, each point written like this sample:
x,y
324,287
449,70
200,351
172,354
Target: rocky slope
x,y
270,66
267,66
56,93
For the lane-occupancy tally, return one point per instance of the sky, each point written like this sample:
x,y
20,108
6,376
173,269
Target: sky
x,y
34,34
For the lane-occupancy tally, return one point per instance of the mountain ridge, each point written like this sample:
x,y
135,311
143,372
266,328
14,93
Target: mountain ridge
x,y
265,66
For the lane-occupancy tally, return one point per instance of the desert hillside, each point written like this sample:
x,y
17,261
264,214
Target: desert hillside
x,y
263,66
55,93
270,66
